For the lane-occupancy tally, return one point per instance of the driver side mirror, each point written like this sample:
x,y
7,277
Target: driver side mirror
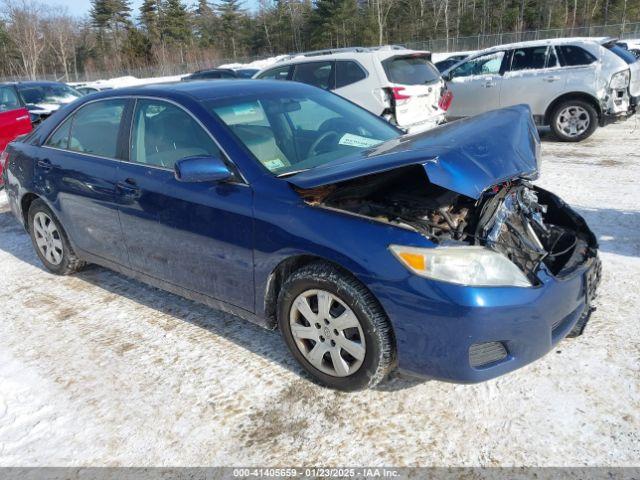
x,y
202,169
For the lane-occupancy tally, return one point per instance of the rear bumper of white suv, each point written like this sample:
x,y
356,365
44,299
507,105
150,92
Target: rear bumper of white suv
x,y
436,119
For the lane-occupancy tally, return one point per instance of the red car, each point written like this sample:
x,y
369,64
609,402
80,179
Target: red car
x,y
14,119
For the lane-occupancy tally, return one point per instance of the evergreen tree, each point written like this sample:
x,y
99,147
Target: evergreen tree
x,y
174,23
230,12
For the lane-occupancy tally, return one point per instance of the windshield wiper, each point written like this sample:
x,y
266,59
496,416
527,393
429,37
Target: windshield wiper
x,y
293,172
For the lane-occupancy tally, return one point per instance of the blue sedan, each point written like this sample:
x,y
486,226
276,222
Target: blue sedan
x,y
293,208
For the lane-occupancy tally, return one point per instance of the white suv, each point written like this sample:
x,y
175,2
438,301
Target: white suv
x,y
398,84
572,85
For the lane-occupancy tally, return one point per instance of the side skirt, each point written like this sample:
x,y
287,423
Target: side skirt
x,y
177,290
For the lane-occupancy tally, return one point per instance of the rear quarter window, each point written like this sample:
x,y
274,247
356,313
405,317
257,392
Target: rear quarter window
x,y
348,72
623,53
410,70
573,56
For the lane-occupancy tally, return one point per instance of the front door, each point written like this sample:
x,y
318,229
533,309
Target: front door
x,y
14,117
198,236
77,166
475,85
534,76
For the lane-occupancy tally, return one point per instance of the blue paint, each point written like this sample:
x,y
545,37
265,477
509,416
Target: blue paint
x,y
223,240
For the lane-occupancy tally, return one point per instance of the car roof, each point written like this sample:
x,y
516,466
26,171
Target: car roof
x,y
548,41
208,70
207,90
38,83
351,53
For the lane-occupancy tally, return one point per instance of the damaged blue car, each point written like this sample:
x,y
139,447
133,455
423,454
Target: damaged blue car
x,y
293,208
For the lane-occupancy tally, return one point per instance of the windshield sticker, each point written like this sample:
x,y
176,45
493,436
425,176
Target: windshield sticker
x,y
358,141
274,164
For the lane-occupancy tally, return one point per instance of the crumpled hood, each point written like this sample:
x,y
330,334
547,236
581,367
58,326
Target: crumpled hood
x,y
467,156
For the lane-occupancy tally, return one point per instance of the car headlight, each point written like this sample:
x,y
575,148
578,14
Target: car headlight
x,y
620,80
477,266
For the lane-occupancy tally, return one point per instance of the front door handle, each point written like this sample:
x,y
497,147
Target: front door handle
x,y
551,79
128,187
45,165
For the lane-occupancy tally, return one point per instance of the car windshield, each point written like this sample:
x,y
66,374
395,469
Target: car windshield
x,y
413,70
289,133
246,72
48,93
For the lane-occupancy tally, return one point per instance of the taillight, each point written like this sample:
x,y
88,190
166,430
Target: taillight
x,y
397,95
445,100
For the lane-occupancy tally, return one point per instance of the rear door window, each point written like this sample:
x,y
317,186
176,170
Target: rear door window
x,y
96,127
348,72
572,56
532,58
9,99
412,70
318,74
280,73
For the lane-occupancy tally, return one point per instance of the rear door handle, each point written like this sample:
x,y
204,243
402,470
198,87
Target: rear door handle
x,y
489,84
45,165
551,79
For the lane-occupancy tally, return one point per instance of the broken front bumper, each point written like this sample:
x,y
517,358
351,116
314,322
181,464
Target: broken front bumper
x,y
444,330
621,110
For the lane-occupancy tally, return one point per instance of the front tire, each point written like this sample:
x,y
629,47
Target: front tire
x,y
335,328
50,241
574,120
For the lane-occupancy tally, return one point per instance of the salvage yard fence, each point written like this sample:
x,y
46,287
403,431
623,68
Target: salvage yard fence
x,y
439,45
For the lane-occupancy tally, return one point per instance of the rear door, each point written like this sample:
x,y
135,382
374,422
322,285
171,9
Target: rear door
x,y
349,83
476,85
198,236
533,77
14,117
416,87
77,169
318,74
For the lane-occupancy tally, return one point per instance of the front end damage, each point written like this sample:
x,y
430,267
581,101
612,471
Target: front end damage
x,y
532,227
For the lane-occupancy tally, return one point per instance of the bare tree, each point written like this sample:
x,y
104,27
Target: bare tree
x,y
60,29
24,18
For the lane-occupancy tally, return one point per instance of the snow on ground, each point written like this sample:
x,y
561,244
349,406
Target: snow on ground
x,y
97,369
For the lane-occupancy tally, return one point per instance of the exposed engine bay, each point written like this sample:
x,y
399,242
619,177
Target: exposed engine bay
x,y
523,222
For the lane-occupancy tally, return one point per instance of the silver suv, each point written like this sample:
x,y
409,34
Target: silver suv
x,y
398,84
573,85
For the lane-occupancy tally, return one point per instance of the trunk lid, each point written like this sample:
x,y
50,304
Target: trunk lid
x,y
466,157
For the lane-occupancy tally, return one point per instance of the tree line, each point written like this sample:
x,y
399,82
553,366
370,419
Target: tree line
x,y
36,40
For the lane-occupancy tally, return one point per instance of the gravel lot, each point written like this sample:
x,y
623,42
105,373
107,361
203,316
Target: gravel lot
x,y
97,369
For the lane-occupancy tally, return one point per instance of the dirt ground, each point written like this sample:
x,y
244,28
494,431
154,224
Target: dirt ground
x,y
97,369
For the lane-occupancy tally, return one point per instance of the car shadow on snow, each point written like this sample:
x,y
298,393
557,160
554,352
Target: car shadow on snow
x,y
617,231
255,339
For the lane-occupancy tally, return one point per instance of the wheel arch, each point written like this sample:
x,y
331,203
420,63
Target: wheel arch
x,y
572,96
25,203
285,268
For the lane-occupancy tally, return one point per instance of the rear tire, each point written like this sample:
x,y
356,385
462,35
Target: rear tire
x,y
50,240
335,328
574,120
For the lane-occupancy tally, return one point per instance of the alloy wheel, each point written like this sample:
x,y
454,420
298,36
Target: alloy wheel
x,y
573,120
327,333
48,238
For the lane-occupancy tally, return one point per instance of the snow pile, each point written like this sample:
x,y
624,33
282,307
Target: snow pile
x,y
260,64
130,81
